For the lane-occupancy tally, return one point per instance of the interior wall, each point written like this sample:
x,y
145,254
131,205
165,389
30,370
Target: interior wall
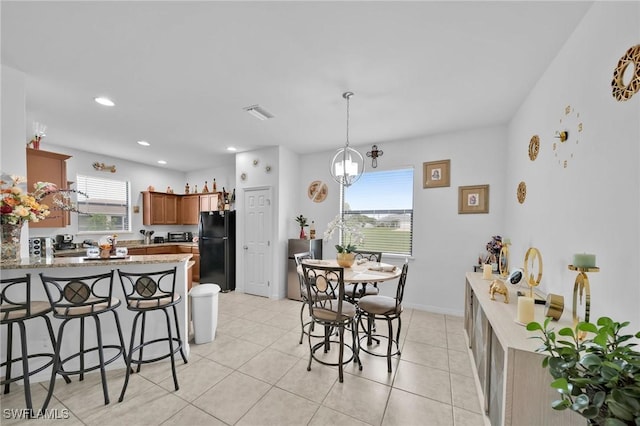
x,y
592,205
288,172
446,244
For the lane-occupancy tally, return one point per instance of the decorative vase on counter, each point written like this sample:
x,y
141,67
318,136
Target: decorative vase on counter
x,y
10,244
303,236
346,260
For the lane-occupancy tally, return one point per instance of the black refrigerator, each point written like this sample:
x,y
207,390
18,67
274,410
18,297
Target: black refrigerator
x,y
217,244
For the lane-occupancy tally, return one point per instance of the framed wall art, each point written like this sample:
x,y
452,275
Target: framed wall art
x,y
436,174
473,199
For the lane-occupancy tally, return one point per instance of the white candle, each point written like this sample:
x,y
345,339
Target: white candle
x,y
525,309
486,272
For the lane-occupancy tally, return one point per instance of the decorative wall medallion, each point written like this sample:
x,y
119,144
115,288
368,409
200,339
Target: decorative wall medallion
x,y
255,162
534,147
568,136
267,169
522,192
317,191
628,70
243,176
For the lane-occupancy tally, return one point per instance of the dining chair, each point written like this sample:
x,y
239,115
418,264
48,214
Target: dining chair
x,y
385,308
16,308
329,309
355,291
78,298
299,257
145,293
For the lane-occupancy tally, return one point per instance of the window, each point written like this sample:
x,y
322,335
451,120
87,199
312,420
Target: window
x,y
107,204
382,204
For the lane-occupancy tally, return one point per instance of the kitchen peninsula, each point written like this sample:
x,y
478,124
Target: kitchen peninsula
x,y
80,266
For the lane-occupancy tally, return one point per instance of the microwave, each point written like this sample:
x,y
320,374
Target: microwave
x,y
179,237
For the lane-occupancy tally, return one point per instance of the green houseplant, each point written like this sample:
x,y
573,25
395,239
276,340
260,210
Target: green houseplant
x,y
598,376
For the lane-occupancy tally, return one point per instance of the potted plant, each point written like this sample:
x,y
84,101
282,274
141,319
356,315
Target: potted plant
x,y
351,237
598,376
302,221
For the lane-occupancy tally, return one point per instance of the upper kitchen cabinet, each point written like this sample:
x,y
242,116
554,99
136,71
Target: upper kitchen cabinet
x,y
159,208
189,209
45,166
209,202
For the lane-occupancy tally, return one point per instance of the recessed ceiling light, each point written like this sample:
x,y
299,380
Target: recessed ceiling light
x,y
162,162
104,101
258,112
232,148
143,143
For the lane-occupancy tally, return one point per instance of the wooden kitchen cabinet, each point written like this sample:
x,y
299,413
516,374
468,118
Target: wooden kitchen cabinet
x,y
189,209
514,388
209,202
159,208
45,166
136,251
196,258
162,250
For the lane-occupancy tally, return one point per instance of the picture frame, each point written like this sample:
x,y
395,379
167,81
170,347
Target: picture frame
x,y
473,199
436,174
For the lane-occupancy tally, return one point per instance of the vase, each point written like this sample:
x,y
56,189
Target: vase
x,y
346,259
303,236
10,244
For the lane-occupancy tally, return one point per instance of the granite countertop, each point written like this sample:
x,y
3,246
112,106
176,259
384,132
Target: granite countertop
x,y
64,262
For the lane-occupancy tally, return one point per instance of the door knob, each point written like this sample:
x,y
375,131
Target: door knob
x,y
245,247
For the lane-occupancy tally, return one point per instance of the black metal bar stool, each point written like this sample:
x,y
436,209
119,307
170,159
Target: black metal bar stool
x,y
78,298
146,292
17,307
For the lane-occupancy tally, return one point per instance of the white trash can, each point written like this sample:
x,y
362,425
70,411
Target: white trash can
x,y
204,303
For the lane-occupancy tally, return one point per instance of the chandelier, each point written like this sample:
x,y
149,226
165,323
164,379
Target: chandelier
x,y
347,165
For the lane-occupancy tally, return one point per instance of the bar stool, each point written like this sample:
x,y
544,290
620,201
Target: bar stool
x,y
78,298
384,308
144,293
16,307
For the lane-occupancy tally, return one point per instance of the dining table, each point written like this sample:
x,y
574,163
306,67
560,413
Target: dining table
x,y
361,272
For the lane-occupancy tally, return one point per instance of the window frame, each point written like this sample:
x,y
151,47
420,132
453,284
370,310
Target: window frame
x,y
128,209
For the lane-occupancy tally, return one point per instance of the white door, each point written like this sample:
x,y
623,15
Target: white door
x,y
257,246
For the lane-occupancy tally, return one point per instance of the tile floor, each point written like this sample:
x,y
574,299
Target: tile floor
x,y
255,373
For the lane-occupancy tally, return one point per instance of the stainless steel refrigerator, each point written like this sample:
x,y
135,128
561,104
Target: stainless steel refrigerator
x,y
299,246
217,244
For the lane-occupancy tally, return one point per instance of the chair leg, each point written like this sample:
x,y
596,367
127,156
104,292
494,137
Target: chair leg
x,y
81,348
356,343
310,351
57,365
144,322
53,344
119,330
390,339
25,366
302,321
7,385
129,357
173,361
175,316
341,354
103,372
398,334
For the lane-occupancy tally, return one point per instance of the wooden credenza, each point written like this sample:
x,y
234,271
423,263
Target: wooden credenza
x,y
514,388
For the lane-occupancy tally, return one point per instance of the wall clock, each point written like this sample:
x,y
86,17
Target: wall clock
x,y
317,191
534,147
568,136
522,192
626,76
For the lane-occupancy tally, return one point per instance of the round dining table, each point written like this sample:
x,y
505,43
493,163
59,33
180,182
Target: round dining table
x,y
364,272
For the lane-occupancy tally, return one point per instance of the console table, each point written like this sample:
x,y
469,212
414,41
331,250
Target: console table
x,y
514,388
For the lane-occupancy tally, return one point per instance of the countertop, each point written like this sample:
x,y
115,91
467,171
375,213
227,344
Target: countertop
x,y
65,262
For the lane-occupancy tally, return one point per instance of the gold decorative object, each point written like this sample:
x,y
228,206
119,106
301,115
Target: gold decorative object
x,y
568,136
580,287
533,260
101,167
522,192
503,259
620,90
498,286
554,306
534,147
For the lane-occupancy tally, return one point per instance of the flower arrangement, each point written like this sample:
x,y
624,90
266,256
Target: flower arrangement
x,y
18,206
493,247
352,236
302,221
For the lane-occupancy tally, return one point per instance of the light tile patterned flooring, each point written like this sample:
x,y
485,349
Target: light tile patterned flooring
x,y
255,373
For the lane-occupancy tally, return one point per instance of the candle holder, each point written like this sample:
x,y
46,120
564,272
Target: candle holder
x,y
533,260
580,287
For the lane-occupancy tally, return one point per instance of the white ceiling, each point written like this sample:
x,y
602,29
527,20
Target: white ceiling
x,y
181,72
